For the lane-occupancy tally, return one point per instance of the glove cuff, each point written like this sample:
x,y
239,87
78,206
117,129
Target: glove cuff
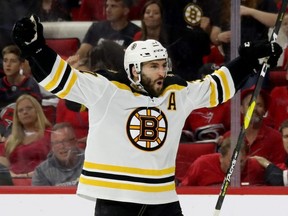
x,y
240,69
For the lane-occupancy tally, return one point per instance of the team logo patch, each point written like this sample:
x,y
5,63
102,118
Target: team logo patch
x,y
147,128
193,14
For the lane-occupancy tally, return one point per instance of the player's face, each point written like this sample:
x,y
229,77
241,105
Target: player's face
x,y
153,75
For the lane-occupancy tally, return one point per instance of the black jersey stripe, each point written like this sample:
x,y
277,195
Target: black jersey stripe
x,y
219,88
128,178
63,80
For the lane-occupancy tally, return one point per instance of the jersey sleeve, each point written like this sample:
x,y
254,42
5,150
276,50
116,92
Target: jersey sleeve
x,y
214,89
64,81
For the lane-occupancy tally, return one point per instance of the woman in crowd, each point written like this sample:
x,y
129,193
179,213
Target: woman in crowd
x,y
28,144
151,23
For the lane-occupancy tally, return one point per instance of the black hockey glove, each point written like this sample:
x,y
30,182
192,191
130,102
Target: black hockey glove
x,y
27,34
250,52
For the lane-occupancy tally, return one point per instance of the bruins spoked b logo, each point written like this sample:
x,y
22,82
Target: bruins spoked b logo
x,y
147,128
193,14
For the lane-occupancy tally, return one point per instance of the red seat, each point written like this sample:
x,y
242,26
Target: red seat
x,y
22,181
50,113
65,47
188,152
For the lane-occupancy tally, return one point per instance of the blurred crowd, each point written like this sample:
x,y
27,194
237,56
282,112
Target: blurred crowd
x,y
43,137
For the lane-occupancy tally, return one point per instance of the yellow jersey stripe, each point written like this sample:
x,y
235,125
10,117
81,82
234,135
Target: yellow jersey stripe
x,y
225,83
213,94
56,76
71,82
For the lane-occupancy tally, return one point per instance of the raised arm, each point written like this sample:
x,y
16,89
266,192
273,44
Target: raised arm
x,y
266,18
52,72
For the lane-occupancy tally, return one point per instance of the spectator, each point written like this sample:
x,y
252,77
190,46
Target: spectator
x,y
188,25
256,18
64,164
117,28
210,169
107,55
277,174
151,23
278,109
14,83
132,170
261,139
51,11
28,144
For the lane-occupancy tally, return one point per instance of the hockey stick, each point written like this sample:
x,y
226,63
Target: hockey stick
x,y
248,115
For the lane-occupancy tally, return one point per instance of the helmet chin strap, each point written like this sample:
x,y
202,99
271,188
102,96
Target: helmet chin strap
x,y
137,84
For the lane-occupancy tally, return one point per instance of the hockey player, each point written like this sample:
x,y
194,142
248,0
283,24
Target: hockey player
x,y
135,118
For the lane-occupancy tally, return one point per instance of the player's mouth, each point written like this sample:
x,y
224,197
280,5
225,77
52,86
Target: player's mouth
x,y
159,83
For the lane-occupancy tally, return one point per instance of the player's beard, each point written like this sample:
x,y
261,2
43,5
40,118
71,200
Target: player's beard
x,y
151,86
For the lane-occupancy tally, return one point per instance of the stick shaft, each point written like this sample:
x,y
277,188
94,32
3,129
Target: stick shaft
x,y
248,115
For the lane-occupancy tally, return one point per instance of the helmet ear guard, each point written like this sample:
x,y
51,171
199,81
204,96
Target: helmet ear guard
x,y
142,51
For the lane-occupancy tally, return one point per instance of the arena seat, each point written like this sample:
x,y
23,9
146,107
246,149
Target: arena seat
x,y
188,152
70,29
22,181
65,47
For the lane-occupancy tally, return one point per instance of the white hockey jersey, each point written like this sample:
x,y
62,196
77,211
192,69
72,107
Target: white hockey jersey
x,y
133,138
